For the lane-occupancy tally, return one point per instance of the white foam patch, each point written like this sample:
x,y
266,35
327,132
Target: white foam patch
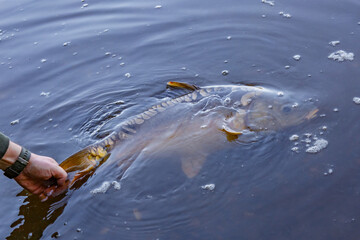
x,y
356,100
271,3
341,56
294,137
334,43
209,187
105,187
319,145
102,189
116,185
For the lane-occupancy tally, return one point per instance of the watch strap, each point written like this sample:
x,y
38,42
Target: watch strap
x,y
19,165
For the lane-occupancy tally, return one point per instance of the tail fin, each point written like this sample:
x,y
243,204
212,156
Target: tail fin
x,y
84,162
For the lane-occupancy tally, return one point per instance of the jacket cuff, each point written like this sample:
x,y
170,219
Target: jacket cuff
x,y
4,144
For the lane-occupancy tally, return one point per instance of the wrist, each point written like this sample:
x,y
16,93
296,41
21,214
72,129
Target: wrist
x,y
11,154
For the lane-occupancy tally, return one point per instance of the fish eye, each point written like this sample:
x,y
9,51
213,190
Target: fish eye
x,y
286,109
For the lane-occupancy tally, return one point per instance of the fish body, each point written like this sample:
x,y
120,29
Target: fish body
x,y
192,125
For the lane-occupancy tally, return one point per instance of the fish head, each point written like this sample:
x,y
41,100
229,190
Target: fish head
x,y
271,110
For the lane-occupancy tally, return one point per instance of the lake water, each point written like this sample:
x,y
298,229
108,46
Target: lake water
x,y
72,71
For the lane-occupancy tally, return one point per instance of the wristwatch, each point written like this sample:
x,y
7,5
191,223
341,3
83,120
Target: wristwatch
x,y
19,165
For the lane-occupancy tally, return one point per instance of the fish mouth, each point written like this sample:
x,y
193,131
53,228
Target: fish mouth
x,y
311,114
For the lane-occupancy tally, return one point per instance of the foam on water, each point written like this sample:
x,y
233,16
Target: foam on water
x,y
105,187
341,56
334,43
356,100
209,187
319,145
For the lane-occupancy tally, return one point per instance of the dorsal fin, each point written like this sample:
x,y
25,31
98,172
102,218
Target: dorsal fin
x,y
182,85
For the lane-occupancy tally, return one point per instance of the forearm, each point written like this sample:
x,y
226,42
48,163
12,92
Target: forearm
x,y
9,151
10,156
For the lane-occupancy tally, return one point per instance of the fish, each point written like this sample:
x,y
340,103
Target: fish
x,y
193,125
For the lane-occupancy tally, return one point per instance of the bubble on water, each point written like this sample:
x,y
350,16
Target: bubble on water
x,y
297,57
116,185
85,5
356,100
263,16
285,15
107,53
271,3
324,128
225,72
334,43
102,189
295,105
227,101
308,135
209,187
122,64
294,137
319,145
322,115
184,68
45,94
287,67
43,60
280,94
295,149
341,56
17,121
329,172
228,37
66,44
158,7
336,110
128,75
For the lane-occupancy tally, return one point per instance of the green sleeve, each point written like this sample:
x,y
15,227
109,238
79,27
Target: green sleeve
x,y
4,144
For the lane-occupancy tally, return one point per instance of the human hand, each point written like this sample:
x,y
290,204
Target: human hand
x,y
37,175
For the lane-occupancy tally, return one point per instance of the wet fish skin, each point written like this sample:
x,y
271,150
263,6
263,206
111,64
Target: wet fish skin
x,y
250,106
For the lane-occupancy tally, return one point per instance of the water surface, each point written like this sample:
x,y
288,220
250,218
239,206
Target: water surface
x,y
72,72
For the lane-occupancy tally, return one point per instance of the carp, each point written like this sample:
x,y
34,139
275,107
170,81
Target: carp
x,y
192,126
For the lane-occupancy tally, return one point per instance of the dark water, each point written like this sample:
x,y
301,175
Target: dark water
x,y
64,77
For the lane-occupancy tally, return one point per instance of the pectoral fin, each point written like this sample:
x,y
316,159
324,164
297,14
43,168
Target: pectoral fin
x,y
191,165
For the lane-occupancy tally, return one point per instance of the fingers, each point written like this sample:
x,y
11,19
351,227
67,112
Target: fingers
x,y
60,175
